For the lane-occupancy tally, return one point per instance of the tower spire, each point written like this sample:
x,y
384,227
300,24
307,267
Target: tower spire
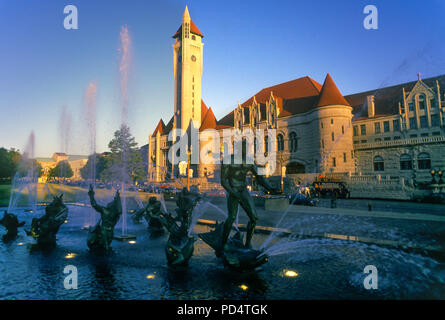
x,y
186,17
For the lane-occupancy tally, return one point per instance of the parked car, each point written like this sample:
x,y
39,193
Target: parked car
x,y
330,187
216,193
301,199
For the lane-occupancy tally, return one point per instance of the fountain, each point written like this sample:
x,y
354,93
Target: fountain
x,y
25,178
11,223
149,213
180,245
45,228
124,67
89,121
101,236
234,253
64,136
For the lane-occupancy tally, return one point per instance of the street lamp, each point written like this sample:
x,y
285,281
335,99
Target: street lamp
x,y
189,152
440,173
433,173
281,173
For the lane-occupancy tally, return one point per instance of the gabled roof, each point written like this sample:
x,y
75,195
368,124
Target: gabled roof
x,y
330,95
209,121
159,128
193,29
169,126
386,100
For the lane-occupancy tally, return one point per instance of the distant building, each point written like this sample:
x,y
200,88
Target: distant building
x,y
76,162
393,133
144,154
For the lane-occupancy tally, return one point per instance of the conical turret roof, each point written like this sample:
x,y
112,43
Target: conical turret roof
x,y
209,121
330,95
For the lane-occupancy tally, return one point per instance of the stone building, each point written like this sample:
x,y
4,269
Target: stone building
x,y
391,134
76,162
398,131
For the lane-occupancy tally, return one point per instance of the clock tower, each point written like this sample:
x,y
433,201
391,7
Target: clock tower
x,y
187,70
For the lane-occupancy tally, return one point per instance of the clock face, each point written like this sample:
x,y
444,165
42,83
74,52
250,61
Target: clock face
x,y
193,58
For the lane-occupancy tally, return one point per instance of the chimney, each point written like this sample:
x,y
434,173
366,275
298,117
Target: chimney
x,y
370,105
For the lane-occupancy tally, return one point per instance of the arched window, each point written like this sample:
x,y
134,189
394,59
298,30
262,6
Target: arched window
x,y
379,164
424,161
406,163
293,142
280,142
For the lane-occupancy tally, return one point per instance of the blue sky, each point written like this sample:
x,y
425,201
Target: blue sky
x,y
248,45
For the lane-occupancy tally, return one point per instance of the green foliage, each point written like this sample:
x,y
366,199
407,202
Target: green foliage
x,y
124,153
7,166
11,162
61,170
101,163
26,165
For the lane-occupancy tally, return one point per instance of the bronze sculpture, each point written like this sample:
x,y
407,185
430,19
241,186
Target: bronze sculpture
x,y
235,253
45,228
101,236
180,245
154,224
11,223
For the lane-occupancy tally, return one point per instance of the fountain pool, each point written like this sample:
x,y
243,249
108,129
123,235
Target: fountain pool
x,y
314,269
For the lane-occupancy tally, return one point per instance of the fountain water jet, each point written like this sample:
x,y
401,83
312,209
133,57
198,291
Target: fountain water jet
x,y
25,178
124,66
64,136
89,118
90,121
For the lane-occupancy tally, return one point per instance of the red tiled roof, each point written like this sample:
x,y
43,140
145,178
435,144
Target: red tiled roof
x,y
209,121
330,95
159,128
203,109
193,29
298,88
299,105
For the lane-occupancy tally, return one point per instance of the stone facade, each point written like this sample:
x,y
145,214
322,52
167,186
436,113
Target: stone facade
x,y
394,134
76,162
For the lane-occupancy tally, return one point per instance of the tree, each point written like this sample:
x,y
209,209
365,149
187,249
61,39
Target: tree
x,y
61,170
7,166
124,155
11,162
99,162
28,166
